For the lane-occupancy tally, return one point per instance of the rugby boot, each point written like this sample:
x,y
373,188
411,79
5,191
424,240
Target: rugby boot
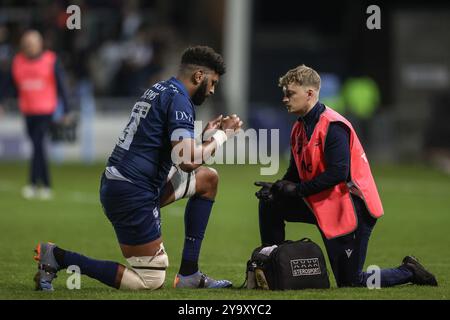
x,y
47,266
199,280
420,275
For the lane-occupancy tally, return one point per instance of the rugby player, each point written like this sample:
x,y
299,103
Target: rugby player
x,y
140,178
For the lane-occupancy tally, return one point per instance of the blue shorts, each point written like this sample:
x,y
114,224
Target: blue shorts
x,y
135,217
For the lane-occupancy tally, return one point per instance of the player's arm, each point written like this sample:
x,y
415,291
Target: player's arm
x,y
189,155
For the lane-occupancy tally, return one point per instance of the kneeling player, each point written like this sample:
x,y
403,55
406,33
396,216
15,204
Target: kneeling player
x,y
140,178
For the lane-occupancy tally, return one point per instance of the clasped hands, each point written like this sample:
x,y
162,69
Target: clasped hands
x,y
229,124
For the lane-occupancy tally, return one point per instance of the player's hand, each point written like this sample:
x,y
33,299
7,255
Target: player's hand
x,y
214,124
211,128
285,188
231,125
265,192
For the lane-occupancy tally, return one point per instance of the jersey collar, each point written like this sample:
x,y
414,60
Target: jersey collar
x,y
177,83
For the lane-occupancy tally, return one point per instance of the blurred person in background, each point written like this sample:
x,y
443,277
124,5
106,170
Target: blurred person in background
x,y
361,96
436,145
37,78
137,66
5,59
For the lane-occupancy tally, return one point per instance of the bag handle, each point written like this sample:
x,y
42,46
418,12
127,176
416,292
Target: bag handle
x,y
242,286
246,275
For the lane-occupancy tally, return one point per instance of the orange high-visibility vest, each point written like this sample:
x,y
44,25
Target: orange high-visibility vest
x,y
36,83
333,208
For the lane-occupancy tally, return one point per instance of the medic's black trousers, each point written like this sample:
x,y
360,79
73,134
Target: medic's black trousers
x,y
346,254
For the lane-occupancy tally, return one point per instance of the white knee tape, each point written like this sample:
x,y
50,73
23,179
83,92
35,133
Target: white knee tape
x,y
132,281
146,272
183,183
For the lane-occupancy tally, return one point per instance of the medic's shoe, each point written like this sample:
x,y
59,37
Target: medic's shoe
x,y
199,280
47,266
421,275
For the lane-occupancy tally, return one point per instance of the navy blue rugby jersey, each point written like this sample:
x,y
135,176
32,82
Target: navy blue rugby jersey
x,y
142,153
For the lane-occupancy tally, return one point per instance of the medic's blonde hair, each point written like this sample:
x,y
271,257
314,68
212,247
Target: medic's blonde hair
x,y
303,76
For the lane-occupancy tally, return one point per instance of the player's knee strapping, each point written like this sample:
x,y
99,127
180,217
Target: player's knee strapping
x,y
146,272
183,183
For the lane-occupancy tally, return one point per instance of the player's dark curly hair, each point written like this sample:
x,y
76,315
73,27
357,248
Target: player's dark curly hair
x,y
203,56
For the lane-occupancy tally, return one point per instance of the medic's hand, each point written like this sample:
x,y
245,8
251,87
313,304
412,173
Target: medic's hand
x,y
265,192
285,188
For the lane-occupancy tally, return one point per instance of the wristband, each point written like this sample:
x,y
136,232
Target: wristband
x,y
220,137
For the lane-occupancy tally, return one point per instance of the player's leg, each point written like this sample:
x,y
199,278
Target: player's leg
x,y
147,267
137,223
167,195
139,235
148,263
197,212
200,187
179,185
52,259
146,271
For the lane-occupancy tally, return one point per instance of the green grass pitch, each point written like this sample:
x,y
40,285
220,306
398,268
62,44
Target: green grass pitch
x,y
417,221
